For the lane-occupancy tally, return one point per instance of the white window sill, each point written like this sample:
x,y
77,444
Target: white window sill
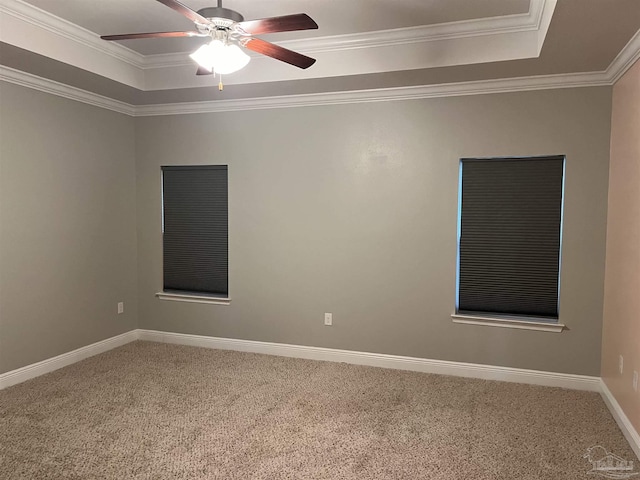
x,y
191,298
508,323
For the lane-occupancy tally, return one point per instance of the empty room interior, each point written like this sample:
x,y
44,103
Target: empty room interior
x,y
307,239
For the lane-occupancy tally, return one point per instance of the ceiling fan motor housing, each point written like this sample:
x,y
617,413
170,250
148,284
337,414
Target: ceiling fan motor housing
x,y
228,27
213,13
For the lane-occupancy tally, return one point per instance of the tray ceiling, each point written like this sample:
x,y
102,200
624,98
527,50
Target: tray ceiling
x,y
333,17
360,45
395,48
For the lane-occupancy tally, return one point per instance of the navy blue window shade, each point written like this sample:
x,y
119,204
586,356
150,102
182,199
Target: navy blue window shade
x,y
509,236
195,229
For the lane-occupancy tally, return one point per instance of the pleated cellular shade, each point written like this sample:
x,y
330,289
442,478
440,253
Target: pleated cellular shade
x,y
510,232
195,229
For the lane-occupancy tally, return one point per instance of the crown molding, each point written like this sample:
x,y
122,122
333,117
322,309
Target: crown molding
x,y
625,59
507,24
545,82
33,29
517,23
44,20
478,40
508,85
509,37
46,85
399,36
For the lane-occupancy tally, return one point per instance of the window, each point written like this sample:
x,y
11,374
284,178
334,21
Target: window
x,y
509,236
195,231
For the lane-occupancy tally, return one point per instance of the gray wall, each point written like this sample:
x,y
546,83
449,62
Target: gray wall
x,y
67,225
352,210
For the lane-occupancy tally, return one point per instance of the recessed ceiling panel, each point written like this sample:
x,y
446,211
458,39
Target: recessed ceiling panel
x,y
333,17
584,36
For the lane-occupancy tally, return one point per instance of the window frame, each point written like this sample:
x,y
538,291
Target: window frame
x,y
186,295
526,322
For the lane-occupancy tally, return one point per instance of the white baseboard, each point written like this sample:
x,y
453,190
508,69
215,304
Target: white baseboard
x,y
36,369
441,367
623,422
425,365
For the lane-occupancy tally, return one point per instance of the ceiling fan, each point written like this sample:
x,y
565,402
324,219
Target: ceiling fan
x,y
228,29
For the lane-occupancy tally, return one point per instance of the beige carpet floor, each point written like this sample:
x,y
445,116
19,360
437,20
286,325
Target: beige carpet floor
x,y
156,411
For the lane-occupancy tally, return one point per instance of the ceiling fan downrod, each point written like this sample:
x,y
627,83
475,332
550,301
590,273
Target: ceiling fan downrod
x,y
224,24
221,12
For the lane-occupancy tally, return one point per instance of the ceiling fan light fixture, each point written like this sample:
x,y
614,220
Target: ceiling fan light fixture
x,y
221,58
229,31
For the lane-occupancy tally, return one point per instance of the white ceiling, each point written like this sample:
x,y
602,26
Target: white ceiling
x,y
334,17
442,46
364,37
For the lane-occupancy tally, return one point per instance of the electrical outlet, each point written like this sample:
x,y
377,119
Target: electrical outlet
x,y
120,307
620,364
328,319
635,380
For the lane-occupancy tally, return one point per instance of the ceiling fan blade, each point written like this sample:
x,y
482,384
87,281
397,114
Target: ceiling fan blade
x,y
204,71
132,36
287,23
186,11
278,52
